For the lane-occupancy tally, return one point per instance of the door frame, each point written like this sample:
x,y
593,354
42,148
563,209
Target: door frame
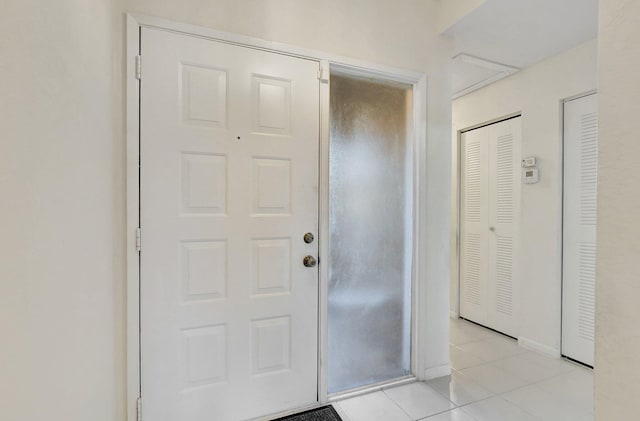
x,y
328,62
563,102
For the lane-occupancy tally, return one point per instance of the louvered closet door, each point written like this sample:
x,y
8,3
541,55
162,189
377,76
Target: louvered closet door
x,y
579,228
504,199
490,198
474,253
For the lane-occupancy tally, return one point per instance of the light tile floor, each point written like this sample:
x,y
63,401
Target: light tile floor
x,y
492,379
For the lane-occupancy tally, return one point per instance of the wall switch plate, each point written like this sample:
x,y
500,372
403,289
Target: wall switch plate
x,y
529,162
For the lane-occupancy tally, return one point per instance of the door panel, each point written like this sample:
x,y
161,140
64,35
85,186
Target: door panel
x,y
474,253
504,204
229,178
579,228
490,200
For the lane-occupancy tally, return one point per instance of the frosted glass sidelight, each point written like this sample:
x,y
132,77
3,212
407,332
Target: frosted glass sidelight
x,y
370,218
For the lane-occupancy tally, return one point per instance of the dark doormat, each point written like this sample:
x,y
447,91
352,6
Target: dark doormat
x,y
326,413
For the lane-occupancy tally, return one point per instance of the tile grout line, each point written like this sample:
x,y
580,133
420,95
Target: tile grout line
x,y
501,364
396,404
341,412
455,406
558,372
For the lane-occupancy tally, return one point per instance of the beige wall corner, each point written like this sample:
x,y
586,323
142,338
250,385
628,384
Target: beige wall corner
x,y
452,11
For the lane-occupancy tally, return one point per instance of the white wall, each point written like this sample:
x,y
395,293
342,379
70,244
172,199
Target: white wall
x,y
451,11
62,211
62,163
618,273
537,92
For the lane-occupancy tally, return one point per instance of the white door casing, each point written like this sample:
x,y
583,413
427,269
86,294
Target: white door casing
x,y
229,186
579,228
490,209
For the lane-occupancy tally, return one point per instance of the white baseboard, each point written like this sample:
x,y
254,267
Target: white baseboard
x,y
435,372
538,347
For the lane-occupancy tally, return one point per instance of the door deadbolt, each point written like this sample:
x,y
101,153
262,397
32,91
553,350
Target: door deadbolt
x,y
308,238
309,261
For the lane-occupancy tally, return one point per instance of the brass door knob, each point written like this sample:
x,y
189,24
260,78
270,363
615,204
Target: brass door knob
x,y
309,261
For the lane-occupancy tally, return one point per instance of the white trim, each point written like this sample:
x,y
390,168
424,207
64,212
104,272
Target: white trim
x,y
358,70
455,223
492,121
560,214
578,96
538,347
323,237
502,69
457,173
481,62
454,314
436,372
343,65
360,66
365,390
419,270
133,221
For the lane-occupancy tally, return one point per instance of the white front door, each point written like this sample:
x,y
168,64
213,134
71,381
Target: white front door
x,y
229,187
489,213
579,228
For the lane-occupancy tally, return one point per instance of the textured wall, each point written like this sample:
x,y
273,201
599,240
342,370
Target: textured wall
x,y
618,274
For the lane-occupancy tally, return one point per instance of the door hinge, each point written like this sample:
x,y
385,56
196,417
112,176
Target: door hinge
x,y
323,72
138,239
139,409
138,67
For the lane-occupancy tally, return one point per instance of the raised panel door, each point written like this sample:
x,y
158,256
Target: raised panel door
x,y
229,179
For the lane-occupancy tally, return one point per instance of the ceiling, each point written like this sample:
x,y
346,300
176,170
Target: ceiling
x,y
516,34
